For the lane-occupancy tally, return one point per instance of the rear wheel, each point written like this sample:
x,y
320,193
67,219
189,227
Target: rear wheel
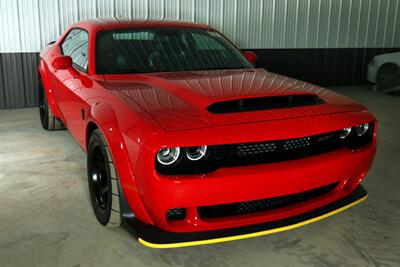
x,y
388,77
49,122
102,179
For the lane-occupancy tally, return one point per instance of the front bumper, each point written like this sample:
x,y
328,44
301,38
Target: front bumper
x,y
158,193
240,184
154,237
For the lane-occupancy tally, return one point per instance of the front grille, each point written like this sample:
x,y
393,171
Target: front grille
x,y
297,143
244,150
252,149
270,151
240,208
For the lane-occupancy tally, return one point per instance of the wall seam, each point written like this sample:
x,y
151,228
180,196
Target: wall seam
x,y
2,82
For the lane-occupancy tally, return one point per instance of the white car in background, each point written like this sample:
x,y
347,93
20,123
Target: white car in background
x,y
384,72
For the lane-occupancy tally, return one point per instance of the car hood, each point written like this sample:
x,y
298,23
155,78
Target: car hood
x,y
180,100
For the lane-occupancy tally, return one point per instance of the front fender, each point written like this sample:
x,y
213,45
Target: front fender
x,y
43,72
121,149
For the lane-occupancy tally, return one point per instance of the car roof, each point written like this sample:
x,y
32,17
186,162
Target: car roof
x,y
120,23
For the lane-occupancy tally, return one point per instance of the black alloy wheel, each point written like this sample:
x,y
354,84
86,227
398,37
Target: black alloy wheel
x,y
103,187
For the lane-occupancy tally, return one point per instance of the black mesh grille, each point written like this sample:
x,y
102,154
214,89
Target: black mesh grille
x,y
254,149
247,207
296,143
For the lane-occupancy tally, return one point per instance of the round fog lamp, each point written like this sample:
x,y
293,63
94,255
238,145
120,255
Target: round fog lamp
x,y
345,132
196,152
362,129
168,155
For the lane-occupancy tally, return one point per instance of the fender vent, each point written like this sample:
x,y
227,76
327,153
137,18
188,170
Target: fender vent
x,y
264,103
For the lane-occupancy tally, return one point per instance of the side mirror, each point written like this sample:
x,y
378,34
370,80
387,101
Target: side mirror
x,y
250,56
62,62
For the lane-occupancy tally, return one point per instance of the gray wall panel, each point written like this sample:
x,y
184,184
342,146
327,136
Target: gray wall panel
x,y
229,13
29,63
156,9
2,88
302,20
279,23
396,32
172,9
104,8
12,81
216,13
27,25
49,25
68,13
292,23
18,82
254,28
243,21
202,14
188,10
87,9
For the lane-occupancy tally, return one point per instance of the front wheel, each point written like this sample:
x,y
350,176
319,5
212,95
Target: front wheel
x,y
47,119
102,179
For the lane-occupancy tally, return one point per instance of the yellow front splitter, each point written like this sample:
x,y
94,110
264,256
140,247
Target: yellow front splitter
x,y
153,237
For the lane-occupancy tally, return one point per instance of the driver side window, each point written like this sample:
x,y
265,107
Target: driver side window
x,y
75,45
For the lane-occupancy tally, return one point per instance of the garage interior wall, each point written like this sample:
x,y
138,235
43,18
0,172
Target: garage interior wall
x,y
327,42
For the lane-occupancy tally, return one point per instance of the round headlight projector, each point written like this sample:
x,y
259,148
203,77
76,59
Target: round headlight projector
x,y
345,132
168,155
196,152
361,129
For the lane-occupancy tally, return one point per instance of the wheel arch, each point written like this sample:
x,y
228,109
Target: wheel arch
x,y
389,63
90,127
103,117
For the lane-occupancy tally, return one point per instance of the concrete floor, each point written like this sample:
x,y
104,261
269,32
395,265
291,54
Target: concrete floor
x,y
46,217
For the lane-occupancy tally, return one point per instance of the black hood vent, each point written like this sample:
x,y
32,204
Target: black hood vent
x,y
264,103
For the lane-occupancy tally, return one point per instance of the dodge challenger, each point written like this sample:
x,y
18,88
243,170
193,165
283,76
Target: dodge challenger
x,y
188,143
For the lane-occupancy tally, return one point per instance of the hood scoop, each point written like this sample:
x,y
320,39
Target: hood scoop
x,y
264,103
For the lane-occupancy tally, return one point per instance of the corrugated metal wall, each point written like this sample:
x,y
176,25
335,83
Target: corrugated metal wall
x,y
276,28
26,25
18,80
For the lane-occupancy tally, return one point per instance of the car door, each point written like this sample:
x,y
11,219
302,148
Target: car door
x,y
69,82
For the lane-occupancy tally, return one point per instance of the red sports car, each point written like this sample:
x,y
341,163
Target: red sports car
x,y
188,143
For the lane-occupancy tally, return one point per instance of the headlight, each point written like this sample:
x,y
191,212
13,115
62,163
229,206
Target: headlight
x,y
196,152
345,132
361,129
168,155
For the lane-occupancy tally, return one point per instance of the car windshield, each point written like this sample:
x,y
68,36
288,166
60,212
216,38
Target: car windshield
x,y
164,50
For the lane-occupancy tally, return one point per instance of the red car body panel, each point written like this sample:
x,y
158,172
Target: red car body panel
x,y
179,101
140,113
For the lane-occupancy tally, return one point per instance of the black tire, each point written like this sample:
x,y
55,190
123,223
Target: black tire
x,y
47,119
103,181
388,77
